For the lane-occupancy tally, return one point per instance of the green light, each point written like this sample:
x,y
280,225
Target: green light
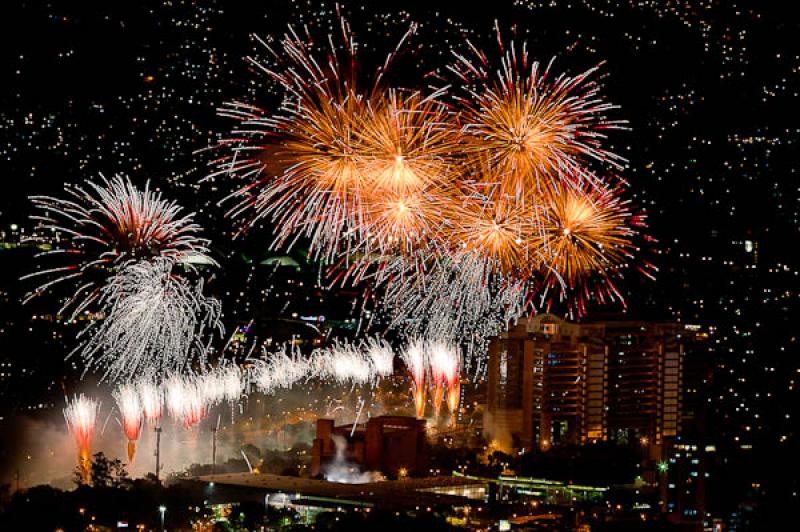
x,y
662,467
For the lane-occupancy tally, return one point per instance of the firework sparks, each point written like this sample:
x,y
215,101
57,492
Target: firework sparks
x,y
444,360
344,364
456,300
280,370
232,382
155,322
381,355
185,400
151,397
81,415
130,410
223,383
106,226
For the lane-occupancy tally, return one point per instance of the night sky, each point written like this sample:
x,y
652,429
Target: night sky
x,y
710,90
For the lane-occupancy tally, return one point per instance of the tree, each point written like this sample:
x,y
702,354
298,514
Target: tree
x,y
105,473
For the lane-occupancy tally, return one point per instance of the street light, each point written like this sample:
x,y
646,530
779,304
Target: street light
x,y
162,509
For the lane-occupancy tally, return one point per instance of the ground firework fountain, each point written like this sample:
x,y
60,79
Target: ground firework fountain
x,y
81,415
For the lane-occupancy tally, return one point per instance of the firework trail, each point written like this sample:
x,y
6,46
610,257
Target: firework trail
x,y
104,227
416,360
130,410
81,415
444,365
156,322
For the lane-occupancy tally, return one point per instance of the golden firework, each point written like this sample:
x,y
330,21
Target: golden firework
x,y
533,129
487,184
586,230
407,143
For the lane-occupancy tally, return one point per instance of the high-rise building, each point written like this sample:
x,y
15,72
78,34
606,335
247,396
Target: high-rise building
x,y
551,381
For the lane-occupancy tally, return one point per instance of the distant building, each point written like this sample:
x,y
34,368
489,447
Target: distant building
x,y
392,445
551,381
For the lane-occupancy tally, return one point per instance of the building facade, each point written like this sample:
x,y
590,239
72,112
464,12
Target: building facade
x,y
386,444
553,382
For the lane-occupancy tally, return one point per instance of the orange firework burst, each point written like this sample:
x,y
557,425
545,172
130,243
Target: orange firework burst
x,y
532,125
585,230
334,140
406,158
495,230
588,233
463,202
408,144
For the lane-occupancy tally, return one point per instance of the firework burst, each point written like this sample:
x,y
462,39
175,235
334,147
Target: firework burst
x,y
381,356
535,127
461,204
280,370
104,227
588,236
155,322
330,144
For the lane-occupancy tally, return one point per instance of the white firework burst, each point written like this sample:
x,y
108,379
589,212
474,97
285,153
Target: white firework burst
x,y
155,322
223,383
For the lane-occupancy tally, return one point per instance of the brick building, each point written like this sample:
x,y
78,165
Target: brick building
x,y
387,444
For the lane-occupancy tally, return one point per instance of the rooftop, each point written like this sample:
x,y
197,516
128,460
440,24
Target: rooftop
x,y
391,494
